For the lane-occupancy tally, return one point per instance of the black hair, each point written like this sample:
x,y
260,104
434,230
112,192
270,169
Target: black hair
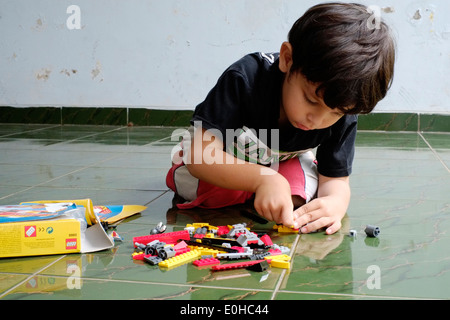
x,y
348,51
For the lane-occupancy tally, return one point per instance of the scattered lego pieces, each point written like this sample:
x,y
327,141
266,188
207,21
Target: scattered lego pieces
x,y
208,245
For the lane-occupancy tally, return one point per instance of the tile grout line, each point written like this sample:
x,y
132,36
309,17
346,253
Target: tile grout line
x,y
434,152
357,295
197,285
71,172
5,293
61,176
283,274
28,131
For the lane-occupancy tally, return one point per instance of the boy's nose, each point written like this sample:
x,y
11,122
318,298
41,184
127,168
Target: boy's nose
x,y
316,119
313,120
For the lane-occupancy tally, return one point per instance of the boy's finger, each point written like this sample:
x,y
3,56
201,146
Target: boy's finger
x,y
334,227
305,214
287,216
315,225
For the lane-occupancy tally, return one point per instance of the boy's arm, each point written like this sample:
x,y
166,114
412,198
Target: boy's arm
x,y
208,162
328,209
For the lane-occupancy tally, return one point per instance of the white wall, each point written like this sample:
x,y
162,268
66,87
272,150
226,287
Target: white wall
x,y
167,54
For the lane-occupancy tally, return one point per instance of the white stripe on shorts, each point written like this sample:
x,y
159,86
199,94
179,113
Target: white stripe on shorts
x,y
185,184
307,161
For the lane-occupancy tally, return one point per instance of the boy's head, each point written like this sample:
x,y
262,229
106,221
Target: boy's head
x,y
340,47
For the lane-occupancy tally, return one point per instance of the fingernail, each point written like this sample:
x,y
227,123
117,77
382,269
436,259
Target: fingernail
x,y
304,230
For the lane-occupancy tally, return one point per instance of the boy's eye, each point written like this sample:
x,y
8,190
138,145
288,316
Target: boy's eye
x,y
310,101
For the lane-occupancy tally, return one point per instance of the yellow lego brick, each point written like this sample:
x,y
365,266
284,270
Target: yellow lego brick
x,y
201,225
280,264
180,259
284,229
206,251
279,261
197,225
280,257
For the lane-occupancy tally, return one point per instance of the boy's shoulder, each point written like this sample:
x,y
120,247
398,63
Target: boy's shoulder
x,y
254,62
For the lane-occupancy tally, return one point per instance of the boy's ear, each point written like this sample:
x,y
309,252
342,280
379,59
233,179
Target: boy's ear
x,y
285,57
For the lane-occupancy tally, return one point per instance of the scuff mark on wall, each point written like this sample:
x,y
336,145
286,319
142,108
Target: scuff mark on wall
x,y
43,74
68,72
96,71
13,57
428,21
153,45
40,25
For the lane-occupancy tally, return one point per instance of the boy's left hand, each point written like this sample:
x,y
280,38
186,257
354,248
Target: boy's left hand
x,y
328,209
317,214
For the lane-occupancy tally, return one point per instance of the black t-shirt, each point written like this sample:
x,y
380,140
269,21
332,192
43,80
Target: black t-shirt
x,y
244,106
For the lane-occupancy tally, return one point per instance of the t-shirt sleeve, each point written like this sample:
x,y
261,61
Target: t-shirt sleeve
x,y
224,106
335,155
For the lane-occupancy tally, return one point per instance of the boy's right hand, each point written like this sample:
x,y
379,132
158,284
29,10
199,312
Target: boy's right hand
x,y
273,199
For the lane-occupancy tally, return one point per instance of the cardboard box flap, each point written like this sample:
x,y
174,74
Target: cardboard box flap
x,y
96,239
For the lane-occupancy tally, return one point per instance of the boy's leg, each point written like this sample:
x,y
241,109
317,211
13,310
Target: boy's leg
x,y
198,193
301,173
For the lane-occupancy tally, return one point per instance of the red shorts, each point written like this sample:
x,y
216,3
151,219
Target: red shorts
x,y
301,173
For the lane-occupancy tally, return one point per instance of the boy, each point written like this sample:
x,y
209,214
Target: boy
x,y
252,135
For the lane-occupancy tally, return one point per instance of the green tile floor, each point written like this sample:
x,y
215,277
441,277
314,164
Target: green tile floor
x,y
401,183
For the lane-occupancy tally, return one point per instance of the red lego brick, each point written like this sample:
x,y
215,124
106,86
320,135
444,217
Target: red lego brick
x,y
181,251
138,256
235,265
239,249
168,238
275,252
199,236
205,262
267,241
221,230
180,245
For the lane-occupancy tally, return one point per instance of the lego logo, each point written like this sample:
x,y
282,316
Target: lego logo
x,y
71,244
30,231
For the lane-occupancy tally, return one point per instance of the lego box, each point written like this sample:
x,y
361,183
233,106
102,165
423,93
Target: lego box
x,y
45,229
